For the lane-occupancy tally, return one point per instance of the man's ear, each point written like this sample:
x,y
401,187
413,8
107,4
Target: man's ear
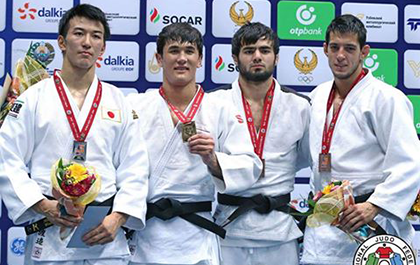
x,y
200,61
61,43
365,51
159,59
325,46
103,50
235,59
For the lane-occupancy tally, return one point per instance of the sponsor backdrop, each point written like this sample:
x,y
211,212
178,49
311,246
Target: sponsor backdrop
x,y
129,62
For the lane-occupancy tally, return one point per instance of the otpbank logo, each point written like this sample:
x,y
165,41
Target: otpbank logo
x,y
160,14
304,20
383,63
229,15
38,16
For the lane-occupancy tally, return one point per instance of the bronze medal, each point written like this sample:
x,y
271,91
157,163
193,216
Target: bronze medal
x,y
188,130
324,162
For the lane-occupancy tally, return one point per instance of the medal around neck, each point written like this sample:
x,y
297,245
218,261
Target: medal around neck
x,y
188,129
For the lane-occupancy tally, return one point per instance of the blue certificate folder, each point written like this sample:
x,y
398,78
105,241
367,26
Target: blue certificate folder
x,y
92,217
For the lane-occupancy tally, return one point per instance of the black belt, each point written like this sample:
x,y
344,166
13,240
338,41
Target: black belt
x,y
167,208
45,223
261,203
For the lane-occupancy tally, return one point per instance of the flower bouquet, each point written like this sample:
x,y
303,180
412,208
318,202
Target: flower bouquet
x,y
28,72
74,186
415,209
327,205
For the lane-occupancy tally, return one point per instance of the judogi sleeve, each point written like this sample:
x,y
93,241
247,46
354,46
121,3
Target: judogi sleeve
x,y
393,125
241,167
132,164
304,156
17,140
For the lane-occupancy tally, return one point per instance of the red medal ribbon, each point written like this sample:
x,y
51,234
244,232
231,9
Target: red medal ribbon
x,y
78,135
259,140
193,110
328,130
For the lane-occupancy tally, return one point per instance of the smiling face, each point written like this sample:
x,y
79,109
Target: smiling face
x,y
256,61
345,56
83,44
179,62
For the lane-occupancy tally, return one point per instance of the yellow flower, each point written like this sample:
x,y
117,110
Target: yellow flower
x,y
416,206
77,172
327,189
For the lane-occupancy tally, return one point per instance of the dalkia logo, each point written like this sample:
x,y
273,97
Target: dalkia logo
x,y
98,62
240,19
26,12
220,64
18,246
384,249
305,68
119,60
154,15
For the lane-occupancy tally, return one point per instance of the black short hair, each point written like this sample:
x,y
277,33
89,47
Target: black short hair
x,y
345,24
181,32
250,33
87,11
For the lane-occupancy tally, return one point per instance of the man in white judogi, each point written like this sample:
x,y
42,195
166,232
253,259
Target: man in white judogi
x,y
278,121
374,145
37,133
194,142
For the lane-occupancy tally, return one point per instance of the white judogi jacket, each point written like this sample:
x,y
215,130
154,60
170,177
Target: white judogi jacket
x,y
284,155
375,147
178,174
40,134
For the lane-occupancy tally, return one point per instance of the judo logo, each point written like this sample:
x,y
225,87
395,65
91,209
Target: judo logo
x,y
384,250
18,246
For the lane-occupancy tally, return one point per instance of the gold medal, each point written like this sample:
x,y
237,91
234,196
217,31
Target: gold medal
x,y
324,163
188,130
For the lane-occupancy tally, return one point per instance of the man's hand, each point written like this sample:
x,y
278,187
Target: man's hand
x,y
203,145
356,215
106,231
51,210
